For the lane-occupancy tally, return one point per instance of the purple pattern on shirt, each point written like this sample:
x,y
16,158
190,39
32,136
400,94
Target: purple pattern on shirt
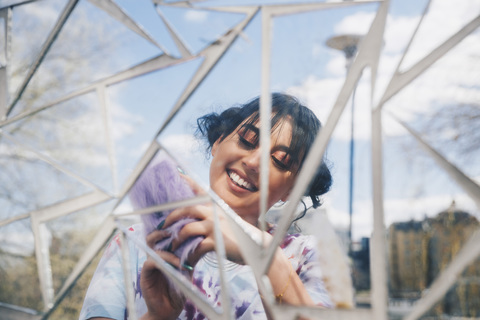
x,y
240,310
246,304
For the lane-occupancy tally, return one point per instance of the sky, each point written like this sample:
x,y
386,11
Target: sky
x,y
303,65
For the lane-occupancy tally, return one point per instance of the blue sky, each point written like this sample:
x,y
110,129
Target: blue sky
x,y
303,65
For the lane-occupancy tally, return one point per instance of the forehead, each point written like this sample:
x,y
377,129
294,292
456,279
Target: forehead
x,y
281,130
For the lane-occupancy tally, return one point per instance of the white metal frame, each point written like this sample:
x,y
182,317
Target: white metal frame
x,y
368,57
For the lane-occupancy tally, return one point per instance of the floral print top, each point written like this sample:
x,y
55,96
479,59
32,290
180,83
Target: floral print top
x,y
106,296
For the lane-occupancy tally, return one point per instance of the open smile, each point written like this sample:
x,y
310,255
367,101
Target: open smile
x,y
242,183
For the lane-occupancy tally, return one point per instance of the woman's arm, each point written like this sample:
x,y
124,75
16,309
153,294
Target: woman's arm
x,y
286,283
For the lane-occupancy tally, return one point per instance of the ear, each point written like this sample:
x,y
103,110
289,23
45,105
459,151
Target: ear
x,y
214,148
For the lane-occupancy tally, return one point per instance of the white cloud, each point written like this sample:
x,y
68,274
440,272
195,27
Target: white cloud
x,y
443,20
124,123
450,80
357,23
320,95
196,16
45,11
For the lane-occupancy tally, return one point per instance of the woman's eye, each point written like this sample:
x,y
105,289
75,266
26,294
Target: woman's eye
x,y
248,139
281,160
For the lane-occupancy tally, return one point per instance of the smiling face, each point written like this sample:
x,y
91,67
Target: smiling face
x,y
234,171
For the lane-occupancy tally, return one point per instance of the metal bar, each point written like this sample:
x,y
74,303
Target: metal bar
x,y
212,55
129,291
409,44
63,208
29,113
52,162
42,254
156,63
181,4
12,3
467,184
368,50
70,205
283,312
282,9
188,289
185,52
265,116
13,219
120,15
201,199
107,229
221,258
43,52
401,80
6,16
251,249
107,123
378,253
351,171
3,92
10,311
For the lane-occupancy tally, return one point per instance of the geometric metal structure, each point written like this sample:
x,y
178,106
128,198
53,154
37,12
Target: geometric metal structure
x,y
20,108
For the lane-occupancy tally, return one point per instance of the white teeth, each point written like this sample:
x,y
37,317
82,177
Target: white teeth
x,y
242,183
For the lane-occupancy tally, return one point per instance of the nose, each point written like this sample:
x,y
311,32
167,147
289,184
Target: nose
x,y
251,161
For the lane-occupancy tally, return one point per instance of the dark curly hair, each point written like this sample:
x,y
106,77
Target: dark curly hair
x,y
305,125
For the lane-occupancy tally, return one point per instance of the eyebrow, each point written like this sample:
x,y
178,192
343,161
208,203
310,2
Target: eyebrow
x,y
256,130
249,126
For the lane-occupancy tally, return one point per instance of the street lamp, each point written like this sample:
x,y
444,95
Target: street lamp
x,y
348,44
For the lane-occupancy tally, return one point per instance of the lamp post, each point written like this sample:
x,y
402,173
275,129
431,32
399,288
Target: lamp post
x,y
348,44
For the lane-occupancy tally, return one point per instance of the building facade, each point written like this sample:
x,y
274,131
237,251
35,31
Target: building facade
x,y
420,250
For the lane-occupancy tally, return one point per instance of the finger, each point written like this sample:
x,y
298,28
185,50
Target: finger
x,y
156,236
169,258
173,261
198,212
207,245
192,229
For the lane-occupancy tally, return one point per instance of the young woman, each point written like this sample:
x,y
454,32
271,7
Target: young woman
x,y
233,141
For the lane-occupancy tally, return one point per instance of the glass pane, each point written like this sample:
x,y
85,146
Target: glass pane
x,y
19,283
72,133
70,306
28,183
442,21
199,28
70,236
31,24
91,46
140,106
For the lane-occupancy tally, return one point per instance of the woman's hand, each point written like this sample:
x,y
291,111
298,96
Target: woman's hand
x,y
163,302
205,227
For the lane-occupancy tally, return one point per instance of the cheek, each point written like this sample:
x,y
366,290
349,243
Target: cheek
x,y
280,184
